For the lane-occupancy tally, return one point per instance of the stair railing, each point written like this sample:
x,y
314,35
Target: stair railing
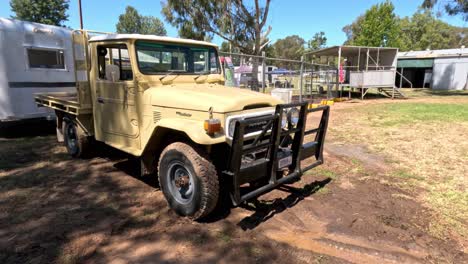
x,y
404,78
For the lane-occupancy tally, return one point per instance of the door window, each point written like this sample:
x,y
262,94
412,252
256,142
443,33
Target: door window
x,y
114,63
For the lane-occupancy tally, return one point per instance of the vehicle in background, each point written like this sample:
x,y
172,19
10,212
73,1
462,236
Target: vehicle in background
x,y
243,75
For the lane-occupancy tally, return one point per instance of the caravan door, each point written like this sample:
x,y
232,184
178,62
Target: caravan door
x,y
115,116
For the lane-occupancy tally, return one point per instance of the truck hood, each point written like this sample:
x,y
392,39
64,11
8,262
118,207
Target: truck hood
x,y
201,97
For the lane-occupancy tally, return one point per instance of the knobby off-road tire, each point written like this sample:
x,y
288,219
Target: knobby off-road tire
x,y
198,194
75,139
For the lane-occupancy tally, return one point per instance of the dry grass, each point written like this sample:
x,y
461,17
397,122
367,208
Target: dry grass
x,y
426,146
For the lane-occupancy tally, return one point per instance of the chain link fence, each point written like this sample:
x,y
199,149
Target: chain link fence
x,y
302,80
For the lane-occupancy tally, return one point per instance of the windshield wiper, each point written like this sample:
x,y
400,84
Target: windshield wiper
x,y
200,75
167,74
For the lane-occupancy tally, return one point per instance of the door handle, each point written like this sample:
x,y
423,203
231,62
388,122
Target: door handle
x,y
100,100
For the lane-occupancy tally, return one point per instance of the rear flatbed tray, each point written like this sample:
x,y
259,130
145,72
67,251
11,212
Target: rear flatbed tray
x,y
66,102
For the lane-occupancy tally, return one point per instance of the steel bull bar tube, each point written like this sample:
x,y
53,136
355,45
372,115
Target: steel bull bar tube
x,y
278,145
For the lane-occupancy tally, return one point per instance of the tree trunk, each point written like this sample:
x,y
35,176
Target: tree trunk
x,y
256,62
254,80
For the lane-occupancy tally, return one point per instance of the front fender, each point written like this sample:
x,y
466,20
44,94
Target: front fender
x,y
192,128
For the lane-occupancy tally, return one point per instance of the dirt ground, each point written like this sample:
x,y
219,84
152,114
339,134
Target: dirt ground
x,y
56,209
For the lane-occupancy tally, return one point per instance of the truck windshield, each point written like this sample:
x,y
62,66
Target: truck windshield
x,y
161,58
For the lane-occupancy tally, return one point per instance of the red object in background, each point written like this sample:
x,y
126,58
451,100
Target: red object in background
x,y
341,73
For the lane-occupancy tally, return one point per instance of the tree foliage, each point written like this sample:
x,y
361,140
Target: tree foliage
x,y
241,23
452,7
225,47
50,12
424,31
353,30
318,41
378,27
290,47
132,22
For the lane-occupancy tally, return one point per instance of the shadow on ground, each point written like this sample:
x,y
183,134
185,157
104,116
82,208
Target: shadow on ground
x,y
266,209
62,210
29,128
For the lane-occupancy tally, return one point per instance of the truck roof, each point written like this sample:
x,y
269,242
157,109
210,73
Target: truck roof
x,y
150,37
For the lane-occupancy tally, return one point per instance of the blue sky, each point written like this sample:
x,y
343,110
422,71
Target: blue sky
x,y
287,17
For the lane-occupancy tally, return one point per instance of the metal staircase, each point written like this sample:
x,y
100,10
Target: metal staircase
x,y
393,93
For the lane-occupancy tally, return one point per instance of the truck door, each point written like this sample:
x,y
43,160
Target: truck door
x,y
116,119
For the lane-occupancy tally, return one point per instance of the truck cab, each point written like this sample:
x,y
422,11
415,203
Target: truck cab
x,y
163,100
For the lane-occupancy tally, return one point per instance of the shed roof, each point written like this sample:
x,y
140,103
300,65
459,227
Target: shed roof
x,y
460,52
347,51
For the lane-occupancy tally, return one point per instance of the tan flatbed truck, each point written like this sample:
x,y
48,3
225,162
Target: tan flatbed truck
x,y
163,100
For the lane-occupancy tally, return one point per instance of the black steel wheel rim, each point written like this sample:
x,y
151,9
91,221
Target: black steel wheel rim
x,y
71,137
181,182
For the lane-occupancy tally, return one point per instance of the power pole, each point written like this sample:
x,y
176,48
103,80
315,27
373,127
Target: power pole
x,y
81,14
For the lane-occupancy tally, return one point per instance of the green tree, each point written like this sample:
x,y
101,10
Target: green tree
x,y
378,27
225,47
352,30
269,50
50,12
132,22
424,31
241,23
290,47
232,20
152,26
452,7
318,41
188,30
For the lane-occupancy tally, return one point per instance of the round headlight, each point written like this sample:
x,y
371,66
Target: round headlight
x,y
284,120
293,116
232,127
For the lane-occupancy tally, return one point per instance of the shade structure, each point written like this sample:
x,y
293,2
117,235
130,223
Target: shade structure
x,y
280,71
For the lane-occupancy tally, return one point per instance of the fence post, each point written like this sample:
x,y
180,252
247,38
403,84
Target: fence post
x,y
300,80
401,76
263,71
337,80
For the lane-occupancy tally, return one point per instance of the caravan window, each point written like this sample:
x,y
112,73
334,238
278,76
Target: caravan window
x,y
45,58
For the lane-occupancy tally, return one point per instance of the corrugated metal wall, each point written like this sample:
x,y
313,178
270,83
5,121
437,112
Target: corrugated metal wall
x,y
450,73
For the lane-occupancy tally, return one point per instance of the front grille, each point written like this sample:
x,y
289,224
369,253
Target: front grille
x,y
255,127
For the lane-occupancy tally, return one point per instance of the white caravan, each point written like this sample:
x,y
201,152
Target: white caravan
x,y
34,58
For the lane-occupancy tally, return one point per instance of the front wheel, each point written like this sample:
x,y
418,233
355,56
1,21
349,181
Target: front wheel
x,y
188,180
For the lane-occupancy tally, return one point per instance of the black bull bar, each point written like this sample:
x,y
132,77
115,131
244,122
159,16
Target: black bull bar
x,y
276,143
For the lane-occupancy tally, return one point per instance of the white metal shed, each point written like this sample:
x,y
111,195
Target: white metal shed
x,y
444,69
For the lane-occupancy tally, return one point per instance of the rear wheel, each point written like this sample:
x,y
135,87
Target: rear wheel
x,y
188,180
75,139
